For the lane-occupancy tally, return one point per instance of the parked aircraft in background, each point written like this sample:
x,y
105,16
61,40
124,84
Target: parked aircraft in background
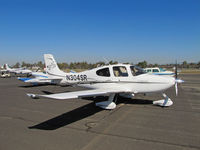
x,y
18,70
159,71
110,80
4,74
46,78
40,78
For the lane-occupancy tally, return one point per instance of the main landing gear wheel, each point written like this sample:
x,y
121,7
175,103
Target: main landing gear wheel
x,y
109,104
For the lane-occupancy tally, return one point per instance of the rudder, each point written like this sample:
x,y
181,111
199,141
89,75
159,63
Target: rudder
x,y
51,65
7,67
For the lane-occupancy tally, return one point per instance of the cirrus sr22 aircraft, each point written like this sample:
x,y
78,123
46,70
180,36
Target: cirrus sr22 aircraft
x,y
18,70
40,78
124,79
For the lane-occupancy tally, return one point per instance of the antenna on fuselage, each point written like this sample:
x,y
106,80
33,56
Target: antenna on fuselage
x,y
106,60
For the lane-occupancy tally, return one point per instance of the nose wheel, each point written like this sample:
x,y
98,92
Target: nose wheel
x,y
166,102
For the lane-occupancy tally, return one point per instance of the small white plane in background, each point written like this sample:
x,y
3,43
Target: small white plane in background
x,y
124,79
18,70
40,78
159,71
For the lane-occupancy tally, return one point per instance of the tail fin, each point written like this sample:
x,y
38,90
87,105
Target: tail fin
x,y
7,67
51,65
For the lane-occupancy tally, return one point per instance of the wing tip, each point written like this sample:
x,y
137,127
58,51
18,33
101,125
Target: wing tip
x,y
33,96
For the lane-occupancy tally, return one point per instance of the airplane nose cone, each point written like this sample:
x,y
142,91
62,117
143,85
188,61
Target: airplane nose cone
x,y
156,83
179,81
165,82
170,80
161,79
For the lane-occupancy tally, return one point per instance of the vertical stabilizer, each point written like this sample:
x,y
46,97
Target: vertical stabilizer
x,y
7,67
51,65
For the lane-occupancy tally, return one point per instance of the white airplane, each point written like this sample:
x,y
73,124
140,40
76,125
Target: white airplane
x,y
4,74
110,80
40,78
18,70
159,71
46,78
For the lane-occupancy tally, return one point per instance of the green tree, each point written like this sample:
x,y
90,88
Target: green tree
x,y
71,65
17,65
113,62
155,65
198,64
184,64
63,65
40,64
142,64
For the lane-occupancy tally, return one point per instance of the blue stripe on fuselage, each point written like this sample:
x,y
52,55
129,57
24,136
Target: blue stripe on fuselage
x,y
24,79
164,73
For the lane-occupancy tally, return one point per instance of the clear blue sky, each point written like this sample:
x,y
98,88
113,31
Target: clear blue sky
x,y
158,31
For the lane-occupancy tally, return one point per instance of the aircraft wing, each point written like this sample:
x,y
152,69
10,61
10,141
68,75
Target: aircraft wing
x,y
78,94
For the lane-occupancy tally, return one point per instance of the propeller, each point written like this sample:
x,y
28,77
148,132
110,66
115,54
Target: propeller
x,y
176,79
176,70
176,88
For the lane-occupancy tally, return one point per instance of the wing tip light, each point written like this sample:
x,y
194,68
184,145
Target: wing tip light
x,y
33,96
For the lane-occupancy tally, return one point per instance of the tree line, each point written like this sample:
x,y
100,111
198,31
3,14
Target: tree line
x,y
86,65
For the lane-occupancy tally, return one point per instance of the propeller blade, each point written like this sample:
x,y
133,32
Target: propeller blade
x,y
176,70
176,79
176,88
179,81
176,85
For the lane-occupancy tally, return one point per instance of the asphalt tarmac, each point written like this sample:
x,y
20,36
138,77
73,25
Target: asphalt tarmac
x,y
77,124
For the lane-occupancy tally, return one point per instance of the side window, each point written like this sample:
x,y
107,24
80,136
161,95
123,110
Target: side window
x,y
155,70
148,70
103,72
137,70
120,71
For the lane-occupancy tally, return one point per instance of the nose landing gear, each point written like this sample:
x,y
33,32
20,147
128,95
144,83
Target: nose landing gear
x,y
164,102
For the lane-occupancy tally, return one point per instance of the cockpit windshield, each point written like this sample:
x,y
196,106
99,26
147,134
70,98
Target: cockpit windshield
x,y
135,70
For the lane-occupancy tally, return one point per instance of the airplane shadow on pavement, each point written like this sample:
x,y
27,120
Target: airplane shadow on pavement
x,y
82,112
68,117
31,85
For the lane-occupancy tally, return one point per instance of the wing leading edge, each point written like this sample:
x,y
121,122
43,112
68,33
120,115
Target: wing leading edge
x,y
79,94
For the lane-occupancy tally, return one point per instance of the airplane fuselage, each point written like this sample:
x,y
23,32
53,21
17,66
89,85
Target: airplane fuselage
x,y
134,81
123,79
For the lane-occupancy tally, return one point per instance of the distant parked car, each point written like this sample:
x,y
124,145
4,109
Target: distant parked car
x,y
5,74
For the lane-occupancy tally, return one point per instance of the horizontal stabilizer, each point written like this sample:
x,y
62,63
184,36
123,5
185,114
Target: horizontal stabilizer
x,y
24,79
